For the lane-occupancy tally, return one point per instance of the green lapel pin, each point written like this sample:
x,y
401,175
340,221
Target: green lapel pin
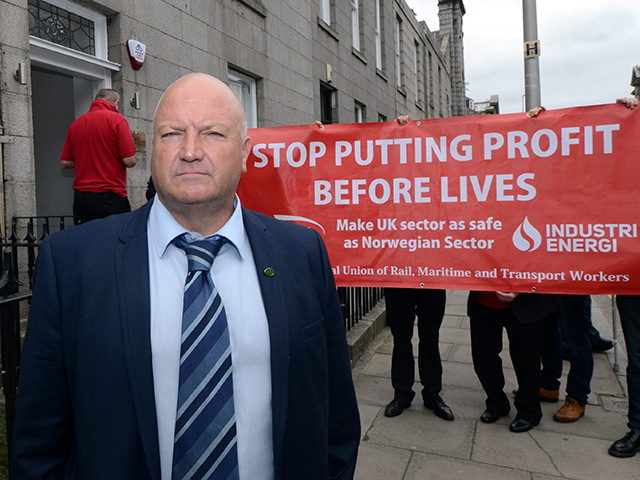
x,y
269,272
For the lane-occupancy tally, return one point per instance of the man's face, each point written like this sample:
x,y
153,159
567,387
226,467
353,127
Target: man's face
x,y
198,149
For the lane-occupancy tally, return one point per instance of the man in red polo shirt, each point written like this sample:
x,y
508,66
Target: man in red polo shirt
x,y
100,148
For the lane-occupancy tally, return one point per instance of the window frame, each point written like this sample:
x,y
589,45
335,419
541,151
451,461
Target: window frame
x,y
355,24
359,112
398,51
249,97
378,35
324,11
416,69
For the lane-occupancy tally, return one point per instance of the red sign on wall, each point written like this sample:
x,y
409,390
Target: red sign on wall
x,y
498,202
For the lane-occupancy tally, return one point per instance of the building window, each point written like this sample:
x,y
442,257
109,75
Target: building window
x,y
359,111
378,33
245,89
355,24
417,70
398,51
61,27
327,104
441,92
382,118
430,86
70,25
325,11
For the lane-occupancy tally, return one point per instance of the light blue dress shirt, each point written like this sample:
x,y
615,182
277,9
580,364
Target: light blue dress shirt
x,y
234,274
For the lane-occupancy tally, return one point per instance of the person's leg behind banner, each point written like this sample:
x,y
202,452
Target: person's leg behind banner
x,y
401,313
629,308
430,310
575,325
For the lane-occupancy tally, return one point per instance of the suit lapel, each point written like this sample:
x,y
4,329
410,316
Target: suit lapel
x,y
132,267
267,255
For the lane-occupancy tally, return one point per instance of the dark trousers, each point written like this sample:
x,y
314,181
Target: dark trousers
x,y
91,205
551,353
524,348
629,308
403,304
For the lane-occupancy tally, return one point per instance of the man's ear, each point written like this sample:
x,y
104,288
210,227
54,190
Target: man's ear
x,y
246,150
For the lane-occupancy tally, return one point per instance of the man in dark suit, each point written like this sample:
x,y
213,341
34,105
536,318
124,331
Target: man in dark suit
x,y
522,317
104,366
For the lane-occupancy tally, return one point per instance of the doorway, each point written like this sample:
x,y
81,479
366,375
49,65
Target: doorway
x,y
57,99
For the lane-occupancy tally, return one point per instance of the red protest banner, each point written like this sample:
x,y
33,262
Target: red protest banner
x,y
498,202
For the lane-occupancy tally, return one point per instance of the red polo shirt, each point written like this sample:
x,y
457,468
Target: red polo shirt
x,y
97,142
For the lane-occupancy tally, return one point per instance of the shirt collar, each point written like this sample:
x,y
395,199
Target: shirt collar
x,y
163,228
100,104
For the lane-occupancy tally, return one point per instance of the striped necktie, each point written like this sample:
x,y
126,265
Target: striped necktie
x,y
205,437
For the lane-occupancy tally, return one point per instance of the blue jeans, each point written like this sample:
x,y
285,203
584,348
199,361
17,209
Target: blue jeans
x,y
575,322
629,308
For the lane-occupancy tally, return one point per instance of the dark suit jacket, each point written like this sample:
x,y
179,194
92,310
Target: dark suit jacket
x,y
526,308
86,406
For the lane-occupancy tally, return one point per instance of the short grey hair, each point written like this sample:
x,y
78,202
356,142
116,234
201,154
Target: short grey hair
x,y
108,94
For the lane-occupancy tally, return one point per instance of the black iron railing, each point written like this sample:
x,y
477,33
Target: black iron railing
x,y
15,292
356,302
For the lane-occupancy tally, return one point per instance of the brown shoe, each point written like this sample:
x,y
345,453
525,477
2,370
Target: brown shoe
x,y
570,411
549,395
545,395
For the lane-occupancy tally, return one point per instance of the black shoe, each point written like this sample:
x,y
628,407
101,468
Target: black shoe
x,y
627,446
395,408
601,345
440,408
520,425
490,416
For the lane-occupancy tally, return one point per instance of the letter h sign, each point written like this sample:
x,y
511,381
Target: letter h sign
x,y
532,49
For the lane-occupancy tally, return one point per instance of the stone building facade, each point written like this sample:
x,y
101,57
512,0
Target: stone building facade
x,y
290,61
635,81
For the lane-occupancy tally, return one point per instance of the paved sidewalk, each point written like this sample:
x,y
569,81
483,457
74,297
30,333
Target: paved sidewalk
x,y
417,445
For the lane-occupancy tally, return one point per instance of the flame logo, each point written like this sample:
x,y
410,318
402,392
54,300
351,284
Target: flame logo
x,y
526,238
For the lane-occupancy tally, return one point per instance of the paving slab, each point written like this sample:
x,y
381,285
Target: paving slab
x,y
433,467
458,309
615,403
379,366
596,423
585,458
454,335
380,462
373,390
540,476
496,445
452,321
368,414
385,343
608,385
423,431
601,366
459,353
